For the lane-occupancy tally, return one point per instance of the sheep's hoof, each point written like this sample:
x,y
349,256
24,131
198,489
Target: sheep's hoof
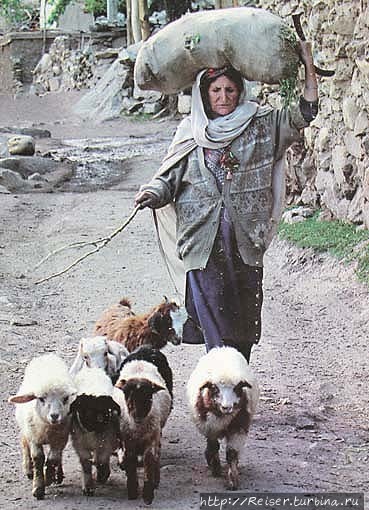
x,y
39,492
103,473
132,492
59,475
148,493
88,491
29,475
215,467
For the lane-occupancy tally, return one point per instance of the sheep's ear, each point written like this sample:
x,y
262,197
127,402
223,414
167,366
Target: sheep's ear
x,y
22,399
208,385
156,387
154,322
120,384
241,385
166,300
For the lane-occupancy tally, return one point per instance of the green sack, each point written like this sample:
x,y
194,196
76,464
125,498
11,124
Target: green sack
x,y
254,41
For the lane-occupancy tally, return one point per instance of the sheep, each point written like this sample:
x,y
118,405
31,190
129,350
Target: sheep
x,y
95,425
45,395
163,324
145,402
98,352
222,394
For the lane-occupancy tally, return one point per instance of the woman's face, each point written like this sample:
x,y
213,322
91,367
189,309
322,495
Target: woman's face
x,y
223,96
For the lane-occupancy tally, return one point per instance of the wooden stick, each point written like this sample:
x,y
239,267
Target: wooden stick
x,y
100,243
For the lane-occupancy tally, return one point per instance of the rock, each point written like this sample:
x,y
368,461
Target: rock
x,y
353,144
151,108
27,165
12,181
297,214
361,125
350,112
4,190
21,145
34,132
184,104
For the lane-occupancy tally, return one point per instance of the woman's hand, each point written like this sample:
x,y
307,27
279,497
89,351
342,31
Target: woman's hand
x,y
146,199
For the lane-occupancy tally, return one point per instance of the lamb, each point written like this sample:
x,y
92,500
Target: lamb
x,y
95,425
145,402
45,395
163,324
99,352
222,394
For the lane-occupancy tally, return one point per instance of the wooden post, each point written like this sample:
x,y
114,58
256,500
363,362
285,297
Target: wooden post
x,y
144,19
129,23
135,20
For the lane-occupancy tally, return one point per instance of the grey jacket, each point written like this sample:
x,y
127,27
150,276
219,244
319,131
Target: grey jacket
x,y
247,196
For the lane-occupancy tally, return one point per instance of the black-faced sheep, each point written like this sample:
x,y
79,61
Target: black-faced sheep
x,y
99,352
222,394
95,425
146,403
43,416
163,324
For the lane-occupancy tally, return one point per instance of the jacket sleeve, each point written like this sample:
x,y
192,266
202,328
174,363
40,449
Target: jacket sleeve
x,y
165,186
287,125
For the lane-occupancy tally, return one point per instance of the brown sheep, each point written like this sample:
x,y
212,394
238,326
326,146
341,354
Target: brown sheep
x,y
162,324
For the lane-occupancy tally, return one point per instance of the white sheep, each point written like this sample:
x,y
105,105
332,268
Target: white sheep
x,y
45,396
99,352
222,394
146,402
95,425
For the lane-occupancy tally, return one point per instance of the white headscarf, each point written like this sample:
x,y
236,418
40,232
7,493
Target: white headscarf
x,y
199,130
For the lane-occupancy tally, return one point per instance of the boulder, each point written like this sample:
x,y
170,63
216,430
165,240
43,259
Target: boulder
x,y
21,145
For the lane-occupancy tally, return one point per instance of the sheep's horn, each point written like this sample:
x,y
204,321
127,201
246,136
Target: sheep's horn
x,y
297,24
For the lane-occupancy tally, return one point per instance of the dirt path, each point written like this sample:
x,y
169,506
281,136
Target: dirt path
x,y
311,431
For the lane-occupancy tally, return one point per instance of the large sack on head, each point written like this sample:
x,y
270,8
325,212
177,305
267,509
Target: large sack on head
x,y
254,41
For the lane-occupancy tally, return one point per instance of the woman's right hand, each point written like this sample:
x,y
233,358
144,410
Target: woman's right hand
x,y
146,199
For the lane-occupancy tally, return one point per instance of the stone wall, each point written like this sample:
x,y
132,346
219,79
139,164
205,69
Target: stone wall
x,y
333,170
20,52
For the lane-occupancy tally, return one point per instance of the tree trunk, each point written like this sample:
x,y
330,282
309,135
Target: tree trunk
x,y
135,21
129,23
144,19
175,8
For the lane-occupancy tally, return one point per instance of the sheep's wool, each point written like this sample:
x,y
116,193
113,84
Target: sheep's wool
x,y
142,369
223,365
94,382
46,374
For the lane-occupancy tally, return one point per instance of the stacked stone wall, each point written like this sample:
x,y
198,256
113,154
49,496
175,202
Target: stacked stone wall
x,y
333,170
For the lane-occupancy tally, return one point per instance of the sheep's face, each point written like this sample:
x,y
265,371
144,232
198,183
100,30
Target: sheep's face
x,y
54,407
168,324
138,394
178,318
221,398
95,413
94,352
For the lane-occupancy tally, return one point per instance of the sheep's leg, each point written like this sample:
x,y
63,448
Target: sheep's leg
x,y
234,444
27,461
212,456
131,472
38,460
157,470
233,480
88,486
151,467
54,469
102,466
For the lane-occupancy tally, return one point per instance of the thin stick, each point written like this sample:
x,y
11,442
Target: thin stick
x,y
99,245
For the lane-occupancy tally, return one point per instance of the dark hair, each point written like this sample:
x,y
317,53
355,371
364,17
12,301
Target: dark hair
x,y
211,75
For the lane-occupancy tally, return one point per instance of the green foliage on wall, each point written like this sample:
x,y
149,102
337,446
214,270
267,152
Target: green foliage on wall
x,y
13,11
58,9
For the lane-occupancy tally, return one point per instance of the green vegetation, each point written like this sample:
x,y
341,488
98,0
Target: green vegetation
x,y
338,238
58,9
14,11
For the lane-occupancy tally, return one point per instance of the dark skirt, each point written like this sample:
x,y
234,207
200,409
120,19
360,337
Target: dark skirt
x,y
224,300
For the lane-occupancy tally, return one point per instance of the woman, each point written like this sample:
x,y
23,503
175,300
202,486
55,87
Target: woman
x,y
224,177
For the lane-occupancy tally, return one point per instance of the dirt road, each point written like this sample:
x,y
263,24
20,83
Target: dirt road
x,y
311,432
